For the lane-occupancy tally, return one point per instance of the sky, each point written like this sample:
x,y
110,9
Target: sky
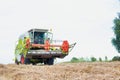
x,y
87,22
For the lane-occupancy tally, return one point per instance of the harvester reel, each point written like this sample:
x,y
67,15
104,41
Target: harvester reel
x,y
65,46
47,45
27,43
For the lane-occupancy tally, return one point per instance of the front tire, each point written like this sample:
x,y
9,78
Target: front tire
x,y
27,61
50,61
24,60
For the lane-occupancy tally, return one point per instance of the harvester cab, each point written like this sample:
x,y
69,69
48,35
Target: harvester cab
x,y
39,36
36,46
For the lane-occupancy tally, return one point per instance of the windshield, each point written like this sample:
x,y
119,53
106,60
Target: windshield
x,y
49,36
39,37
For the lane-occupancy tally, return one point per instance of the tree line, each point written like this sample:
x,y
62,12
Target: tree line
x,y
94,59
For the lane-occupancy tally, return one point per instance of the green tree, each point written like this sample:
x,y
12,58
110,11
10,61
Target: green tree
x,y
116,58
100,59
106,59
116,29
74,59
93,59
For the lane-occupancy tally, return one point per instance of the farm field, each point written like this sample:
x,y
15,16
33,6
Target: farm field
x,y
62,71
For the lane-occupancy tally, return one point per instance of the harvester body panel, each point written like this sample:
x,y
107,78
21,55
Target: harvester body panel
x,y
37,45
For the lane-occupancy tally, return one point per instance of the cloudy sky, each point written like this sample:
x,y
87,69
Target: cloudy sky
x,y
87,22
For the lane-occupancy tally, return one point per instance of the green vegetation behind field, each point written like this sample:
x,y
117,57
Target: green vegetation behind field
x,y
93,59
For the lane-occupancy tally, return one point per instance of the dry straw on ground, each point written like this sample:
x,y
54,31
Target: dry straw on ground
x,y
63,71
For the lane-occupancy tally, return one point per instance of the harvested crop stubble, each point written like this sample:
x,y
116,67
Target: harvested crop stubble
x,y
62,71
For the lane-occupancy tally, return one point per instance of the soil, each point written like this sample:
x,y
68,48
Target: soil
x,y
62,71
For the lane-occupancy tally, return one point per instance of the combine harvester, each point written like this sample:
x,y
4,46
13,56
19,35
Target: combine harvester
x,y
37,46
